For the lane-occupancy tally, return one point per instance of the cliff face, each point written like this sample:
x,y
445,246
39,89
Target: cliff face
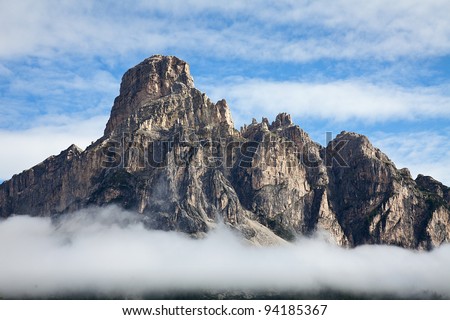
x,y
174,156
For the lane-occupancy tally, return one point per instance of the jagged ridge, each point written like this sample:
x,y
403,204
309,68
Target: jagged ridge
x,y
171,154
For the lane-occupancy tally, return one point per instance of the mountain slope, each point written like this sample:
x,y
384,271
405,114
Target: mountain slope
x,y
173,155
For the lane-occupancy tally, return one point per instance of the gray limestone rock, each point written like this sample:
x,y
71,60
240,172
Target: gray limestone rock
x,y
171,154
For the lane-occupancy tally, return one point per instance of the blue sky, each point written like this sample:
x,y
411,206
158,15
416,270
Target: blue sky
x,y
378,68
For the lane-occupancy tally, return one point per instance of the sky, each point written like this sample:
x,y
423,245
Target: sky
x,y
379,68
108,252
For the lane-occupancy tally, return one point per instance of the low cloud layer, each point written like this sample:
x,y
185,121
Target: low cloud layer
x,y
108,251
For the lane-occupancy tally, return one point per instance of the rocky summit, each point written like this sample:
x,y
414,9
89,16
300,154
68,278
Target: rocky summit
x,y
171,154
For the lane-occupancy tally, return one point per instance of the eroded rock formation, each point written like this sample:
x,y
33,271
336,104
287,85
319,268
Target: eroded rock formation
x,y
171,154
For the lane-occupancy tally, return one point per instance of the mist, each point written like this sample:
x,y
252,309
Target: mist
x,y
108,251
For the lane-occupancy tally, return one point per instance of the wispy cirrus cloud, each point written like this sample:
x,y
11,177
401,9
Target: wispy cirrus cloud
x,y
39,88
285,30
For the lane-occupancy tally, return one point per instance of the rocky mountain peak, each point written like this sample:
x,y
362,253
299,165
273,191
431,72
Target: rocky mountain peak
x,y
184,167
153,78
282,120
430,185
358,146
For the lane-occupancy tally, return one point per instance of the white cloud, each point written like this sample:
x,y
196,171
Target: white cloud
x,y
340,100
4,71
423,152
47,82
46,87
283,30
20,150
107,251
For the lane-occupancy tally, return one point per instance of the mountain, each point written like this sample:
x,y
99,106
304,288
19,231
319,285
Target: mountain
x,y
173,155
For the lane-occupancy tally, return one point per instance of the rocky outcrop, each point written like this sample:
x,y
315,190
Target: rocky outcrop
x,y
173,155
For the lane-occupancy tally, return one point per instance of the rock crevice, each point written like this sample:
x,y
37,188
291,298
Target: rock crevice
x,y
173,155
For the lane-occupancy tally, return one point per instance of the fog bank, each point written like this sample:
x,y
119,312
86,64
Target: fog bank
x,y
108,251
